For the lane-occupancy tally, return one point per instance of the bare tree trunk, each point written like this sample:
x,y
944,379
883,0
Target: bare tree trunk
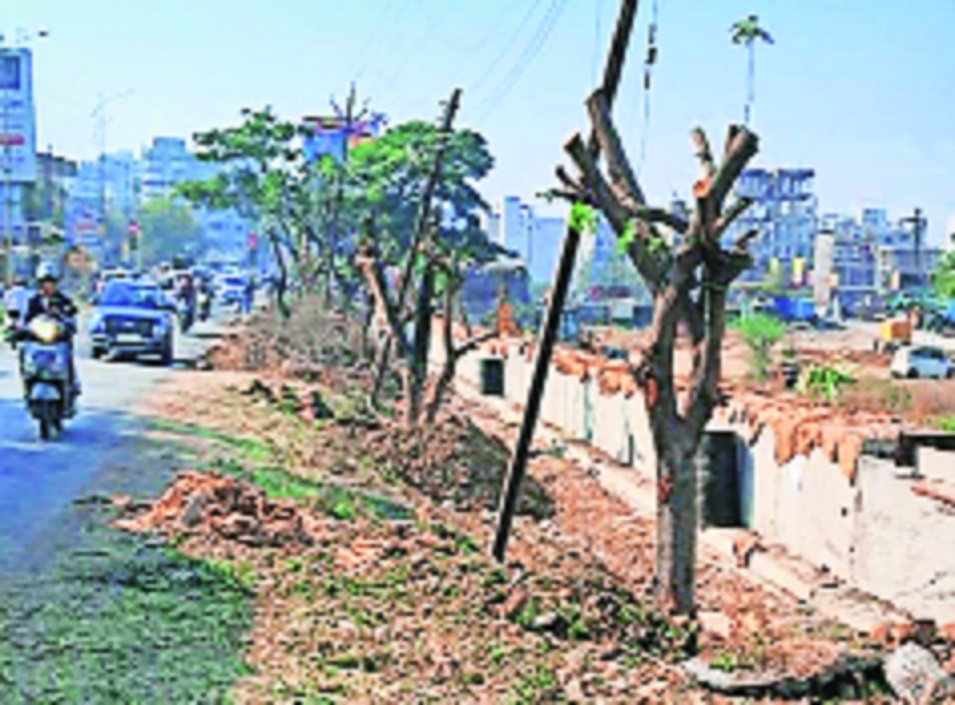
x,y
676,527
418,369
282,283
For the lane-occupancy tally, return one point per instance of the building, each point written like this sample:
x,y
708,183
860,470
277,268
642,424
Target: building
x,y
784,212
874,254
17,139
167,163
536,239
333,136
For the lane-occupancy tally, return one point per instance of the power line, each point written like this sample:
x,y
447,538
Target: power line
x,y
530,53
510,42
390,22
493,30
431,30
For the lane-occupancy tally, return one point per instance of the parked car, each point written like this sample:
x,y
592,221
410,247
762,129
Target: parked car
x,y
132,318
922,361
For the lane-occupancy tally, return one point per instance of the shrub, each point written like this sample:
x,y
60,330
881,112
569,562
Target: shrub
x,y
760,332
823,381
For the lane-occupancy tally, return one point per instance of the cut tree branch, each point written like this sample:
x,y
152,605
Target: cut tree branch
x,y
703,153
743,241
621,174
726,220
660,215
744,146
650,269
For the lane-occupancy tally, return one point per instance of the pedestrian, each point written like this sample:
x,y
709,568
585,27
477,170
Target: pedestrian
x,y
249,294
15,302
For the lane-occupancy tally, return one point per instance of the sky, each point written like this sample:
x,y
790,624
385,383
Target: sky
x,y
862,91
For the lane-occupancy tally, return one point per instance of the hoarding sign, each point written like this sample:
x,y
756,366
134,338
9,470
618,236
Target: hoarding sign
x,y
17,117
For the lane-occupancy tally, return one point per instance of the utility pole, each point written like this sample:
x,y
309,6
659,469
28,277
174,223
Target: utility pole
x,y
510,493
417,236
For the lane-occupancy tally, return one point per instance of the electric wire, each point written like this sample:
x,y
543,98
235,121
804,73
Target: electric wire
x,y
510,42
402,63
533,48
376,41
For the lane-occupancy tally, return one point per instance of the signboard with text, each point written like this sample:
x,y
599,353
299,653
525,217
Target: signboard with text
x,y
17,116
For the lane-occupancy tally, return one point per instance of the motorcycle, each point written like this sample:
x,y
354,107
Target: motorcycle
x,y
45,367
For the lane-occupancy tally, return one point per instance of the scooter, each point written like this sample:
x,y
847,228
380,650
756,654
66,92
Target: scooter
x,y
45,368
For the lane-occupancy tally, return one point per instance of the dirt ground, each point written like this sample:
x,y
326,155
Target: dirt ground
x,y
571,604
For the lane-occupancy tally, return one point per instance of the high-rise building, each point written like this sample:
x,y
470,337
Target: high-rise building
x,y
784,212
166,163
535,239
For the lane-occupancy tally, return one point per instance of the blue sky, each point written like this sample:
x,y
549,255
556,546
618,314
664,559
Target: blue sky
x,y
861,90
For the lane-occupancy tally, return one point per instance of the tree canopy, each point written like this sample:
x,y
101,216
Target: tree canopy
x,y
384,180
168,229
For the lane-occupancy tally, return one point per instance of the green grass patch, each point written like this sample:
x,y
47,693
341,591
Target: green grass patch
x,y
253,451
122,620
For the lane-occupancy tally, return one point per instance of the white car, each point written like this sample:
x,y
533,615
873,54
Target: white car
x,y
922,361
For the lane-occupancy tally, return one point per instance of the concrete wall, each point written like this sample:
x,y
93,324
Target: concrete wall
x,y
873,533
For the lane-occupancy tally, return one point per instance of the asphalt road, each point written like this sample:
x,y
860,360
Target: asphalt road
x,y
39,481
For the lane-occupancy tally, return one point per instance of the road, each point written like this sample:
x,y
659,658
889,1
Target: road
x,y
39,481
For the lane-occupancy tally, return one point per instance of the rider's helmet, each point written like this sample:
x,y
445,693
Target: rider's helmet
x,y
47,272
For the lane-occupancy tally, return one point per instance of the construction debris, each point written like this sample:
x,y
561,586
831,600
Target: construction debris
x,y
223,507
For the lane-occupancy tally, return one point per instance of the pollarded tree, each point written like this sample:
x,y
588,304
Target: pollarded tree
x,y
688,282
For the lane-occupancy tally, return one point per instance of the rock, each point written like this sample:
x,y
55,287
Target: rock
x,y
236,525
192,515
545,621
744,546
716,623
913,673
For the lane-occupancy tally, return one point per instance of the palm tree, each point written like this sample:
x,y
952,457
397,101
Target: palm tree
x,y
747,32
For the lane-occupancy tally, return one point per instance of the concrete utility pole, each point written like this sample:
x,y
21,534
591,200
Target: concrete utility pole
x,y
511,491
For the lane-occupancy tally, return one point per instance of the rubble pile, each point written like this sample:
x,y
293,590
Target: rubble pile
x,y
222,507
452,461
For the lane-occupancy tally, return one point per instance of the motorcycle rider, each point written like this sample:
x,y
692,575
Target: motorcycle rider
x,y
50,301
186,295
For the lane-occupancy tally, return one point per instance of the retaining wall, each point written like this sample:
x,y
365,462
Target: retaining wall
x,y
866,526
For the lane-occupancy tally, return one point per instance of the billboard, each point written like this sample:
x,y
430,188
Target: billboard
x,y
330,135
17,116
